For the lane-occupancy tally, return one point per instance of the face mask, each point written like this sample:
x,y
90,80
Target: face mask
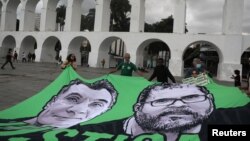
x,y
198,65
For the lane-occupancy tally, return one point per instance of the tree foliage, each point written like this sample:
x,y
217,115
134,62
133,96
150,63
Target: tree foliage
x,y
165,25
120,11
87,22
119,19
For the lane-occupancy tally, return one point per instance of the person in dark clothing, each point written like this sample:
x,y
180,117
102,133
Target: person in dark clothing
x,y
9,57
236,77
15,57
162,73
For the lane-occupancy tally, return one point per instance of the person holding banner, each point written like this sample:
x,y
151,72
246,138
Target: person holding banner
x,y
161,72
126,67
71,61
197,68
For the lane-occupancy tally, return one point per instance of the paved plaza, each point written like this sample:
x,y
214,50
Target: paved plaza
x,y
30,78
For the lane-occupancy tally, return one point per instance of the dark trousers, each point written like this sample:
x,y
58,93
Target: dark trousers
x,y
6,62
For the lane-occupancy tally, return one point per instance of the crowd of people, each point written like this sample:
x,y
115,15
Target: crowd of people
x,y
169,109
13,57
160,72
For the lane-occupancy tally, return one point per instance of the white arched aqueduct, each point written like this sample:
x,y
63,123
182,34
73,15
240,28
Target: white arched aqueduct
x,y
229,45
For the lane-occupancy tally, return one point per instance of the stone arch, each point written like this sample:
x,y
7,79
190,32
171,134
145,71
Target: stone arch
x,y
147,55
11,15
81,47
28,46
207,51
244,60
49,51
8,42
28,16
111,50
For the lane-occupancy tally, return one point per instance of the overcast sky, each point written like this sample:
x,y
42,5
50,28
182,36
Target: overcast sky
x,y
203,16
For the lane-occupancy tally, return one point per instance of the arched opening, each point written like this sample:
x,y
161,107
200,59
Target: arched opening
x,y
9,42
18,16
27,49
11,22
111,50
38,11
51,49
50,8
87,15
158,16
120,15
245,62
207,23
81,47
81,15
150,50
61,9
28,15
207,52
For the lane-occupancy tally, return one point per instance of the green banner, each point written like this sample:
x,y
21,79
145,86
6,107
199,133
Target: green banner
x,y
120,108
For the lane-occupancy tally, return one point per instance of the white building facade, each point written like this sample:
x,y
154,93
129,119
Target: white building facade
x,y
230,44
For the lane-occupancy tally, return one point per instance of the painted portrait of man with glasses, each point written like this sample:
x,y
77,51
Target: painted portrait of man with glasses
x,y
170,109
166,109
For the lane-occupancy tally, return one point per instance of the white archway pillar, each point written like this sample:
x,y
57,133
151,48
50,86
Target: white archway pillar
x,y
8,17
48,16
27,16
137,15
179,16
102,15
73,15
232,16
228,62
1,5
38,50
3,16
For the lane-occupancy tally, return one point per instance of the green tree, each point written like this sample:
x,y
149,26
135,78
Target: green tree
x,y
87,22
120,11
165,26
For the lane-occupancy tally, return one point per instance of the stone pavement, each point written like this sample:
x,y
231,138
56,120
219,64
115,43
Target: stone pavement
x,y
30,78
